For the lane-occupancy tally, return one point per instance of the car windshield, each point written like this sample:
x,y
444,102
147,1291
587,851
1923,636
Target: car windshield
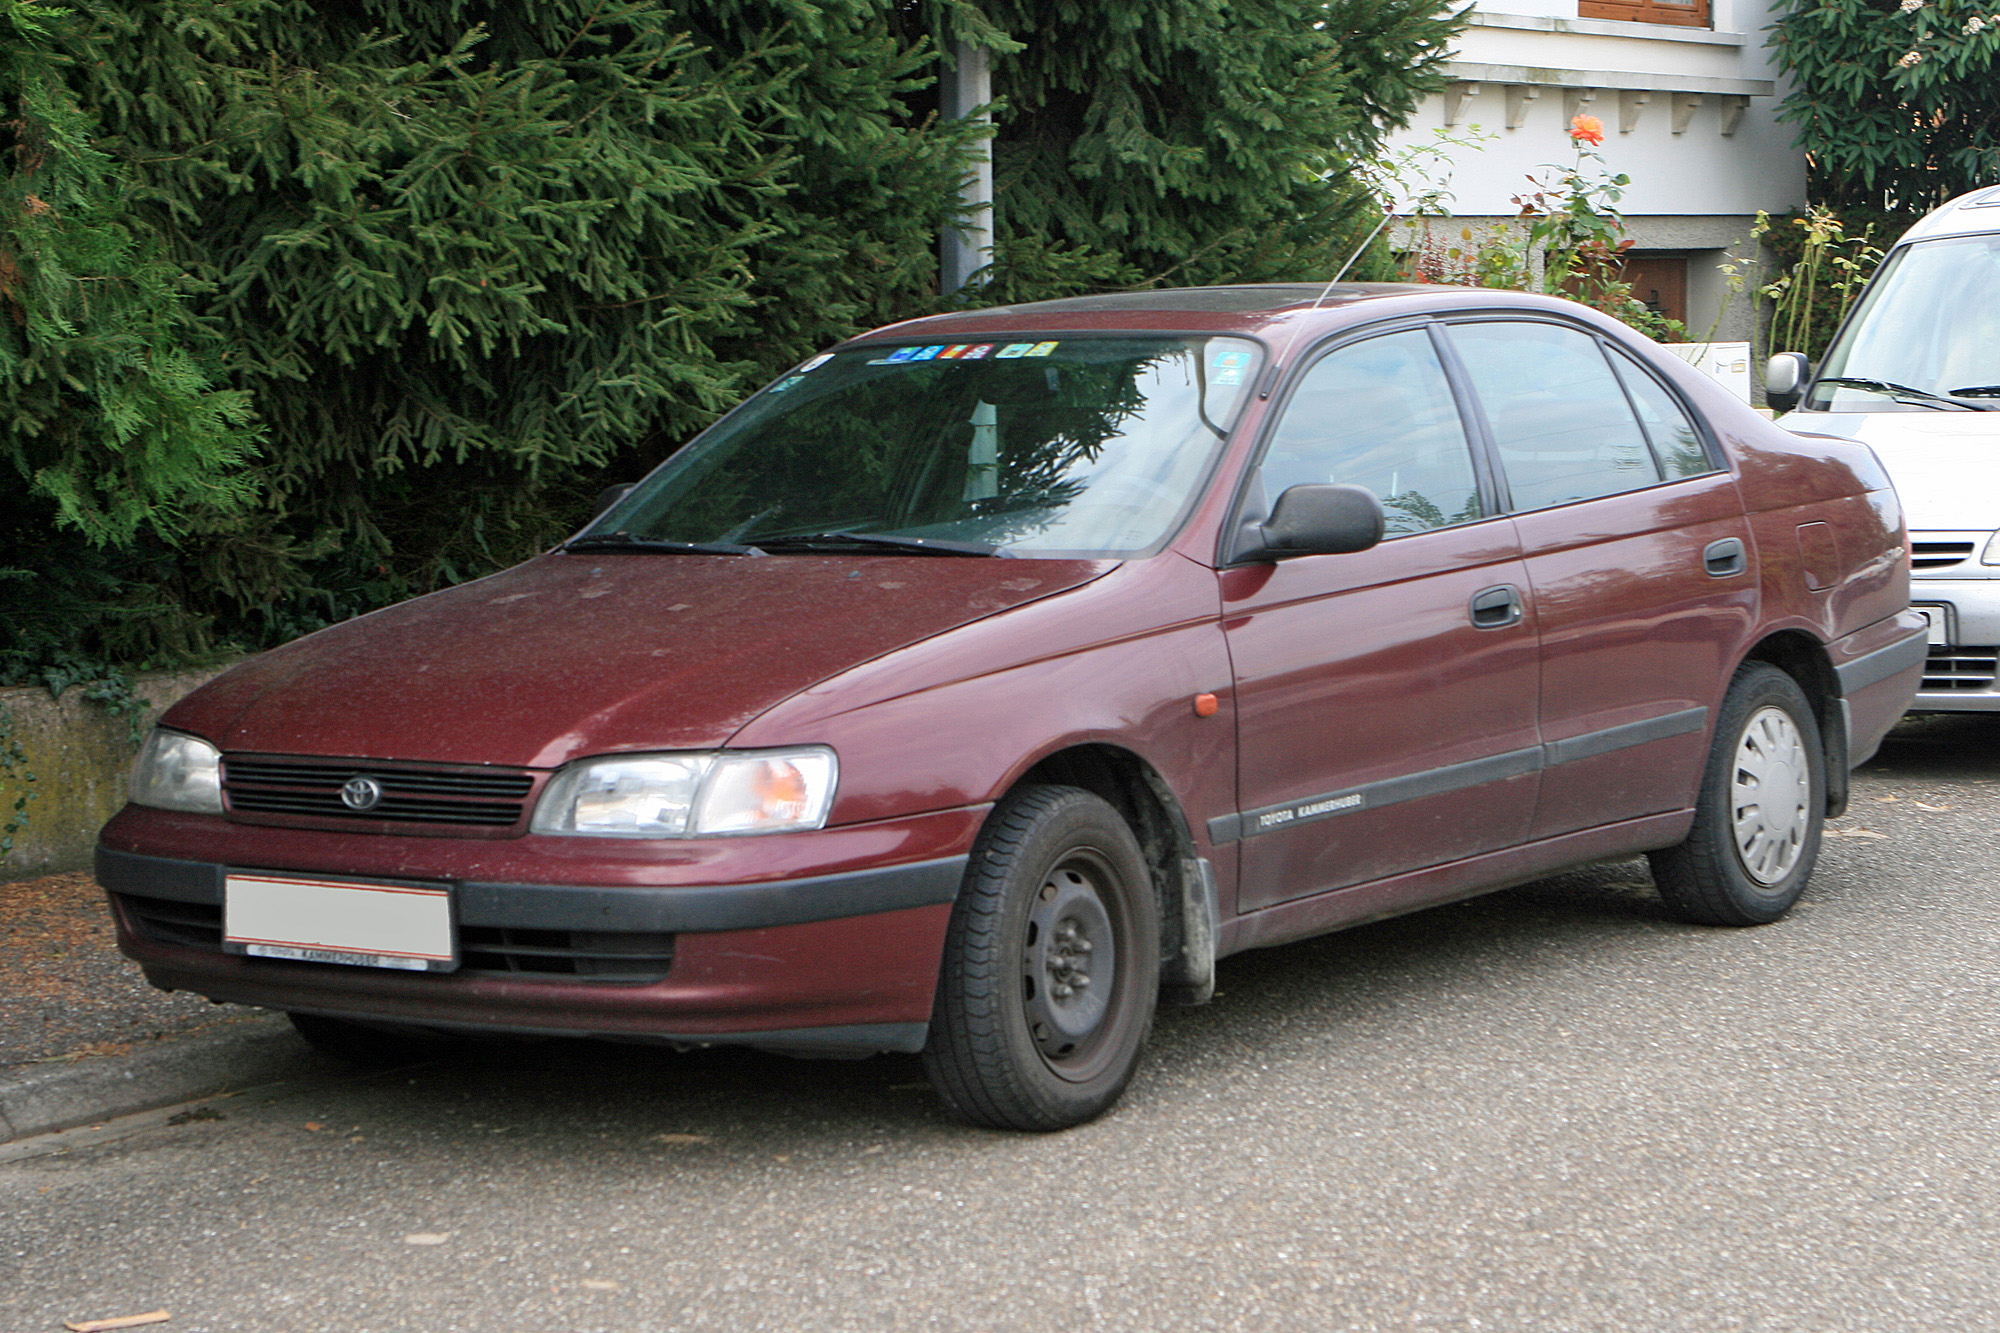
x,y
1090,446
1926,336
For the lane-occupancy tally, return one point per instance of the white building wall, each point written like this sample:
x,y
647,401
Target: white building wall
x,y
1690,114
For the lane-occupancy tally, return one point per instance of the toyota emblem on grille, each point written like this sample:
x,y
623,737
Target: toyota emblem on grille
x,y
360,793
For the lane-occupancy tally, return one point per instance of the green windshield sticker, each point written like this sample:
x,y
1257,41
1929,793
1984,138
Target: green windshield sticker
x,y
1012,351
786,383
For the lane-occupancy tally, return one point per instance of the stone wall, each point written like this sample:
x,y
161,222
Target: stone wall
x,y
80,755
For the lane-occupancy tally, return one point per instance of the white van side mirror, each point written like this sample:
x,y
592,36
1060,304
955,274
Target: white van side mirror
x,y
1785,377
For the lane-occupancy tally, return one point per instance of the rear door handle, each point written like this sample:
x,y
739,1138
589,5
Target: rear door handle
x,y
1724,558
1496,608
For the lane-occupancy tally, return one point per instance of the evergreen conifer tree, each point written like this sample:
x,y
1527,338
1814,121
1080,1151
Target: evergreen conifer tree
x,y
461,263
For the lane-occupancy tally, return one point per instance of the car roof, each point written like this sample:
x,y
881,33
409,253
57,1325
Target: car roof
x,y
1967,215
1250,309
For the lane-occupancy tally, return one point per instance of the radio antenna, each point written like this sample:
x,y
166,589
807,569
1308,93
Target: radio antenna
x,y
1387,218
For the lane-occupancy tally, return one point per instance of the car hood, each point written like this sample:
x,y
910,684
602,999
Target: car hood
x,y
578,654
1946,465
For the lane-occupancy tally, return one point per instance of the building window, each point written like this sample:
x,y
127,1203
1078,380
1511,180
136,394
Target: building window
x,y
1689,14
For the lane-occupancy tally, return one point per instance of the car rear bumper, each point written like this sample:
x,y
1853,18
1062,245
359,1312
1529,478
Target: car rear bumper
x,y
1877,669
837,963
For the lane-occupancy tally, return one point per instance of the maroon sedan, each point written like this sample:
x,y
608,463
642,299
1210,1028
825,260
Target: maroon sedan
x,y
978,684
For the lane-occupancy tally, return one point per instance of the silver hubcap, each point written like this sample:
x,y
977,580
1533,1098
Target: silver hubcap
x,y
1769,789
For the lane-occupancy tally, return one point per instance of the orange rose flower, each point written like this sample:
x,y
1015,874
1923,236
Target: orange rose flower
x,y
1586,129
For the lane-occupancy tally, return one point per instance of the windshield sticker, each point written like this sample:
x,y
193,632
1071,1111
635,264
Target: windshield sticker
x,y
954,352
900,354
978,351
926,353
814,364
1012,351
1042,349
786,383
1228,367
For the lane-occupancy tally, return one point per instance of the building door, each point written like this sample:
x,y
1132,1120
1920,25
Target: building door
x,y
1659,282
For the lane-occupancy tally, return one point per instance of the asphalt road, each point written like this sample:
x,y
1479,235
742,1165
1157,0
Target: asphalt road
x,y
1548,1109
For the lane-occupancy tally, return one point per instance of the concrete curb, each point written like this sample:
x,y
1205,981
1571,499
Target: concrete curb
x,y
51,1095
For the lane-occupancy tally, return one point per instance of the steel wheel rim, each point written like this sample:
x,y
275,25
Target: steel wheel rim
x,y
1071,968
1770,792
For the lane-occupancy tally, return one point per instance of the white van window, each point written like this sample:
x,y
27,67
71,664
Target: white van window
x,y
1927,330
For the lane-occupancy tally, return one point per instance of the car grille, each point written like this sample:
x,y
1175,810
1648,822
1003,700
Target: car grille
x,y
1940,552
163,921
600,955
411,794
529,955
631,957
1960,669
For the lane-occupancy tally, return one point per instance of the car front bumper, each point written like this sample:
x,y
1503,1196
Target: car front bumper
x,y
1962,674
844,961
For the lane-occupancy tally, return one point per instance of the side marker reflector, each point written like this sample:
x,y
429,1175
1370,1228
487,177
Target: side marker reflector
x,y
1205,705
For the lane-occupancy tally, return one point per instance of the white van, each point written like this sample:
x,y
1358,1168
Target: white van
x,y
1912,372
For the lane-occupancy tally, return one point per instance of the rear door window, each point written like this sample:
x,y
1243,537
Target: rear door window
x,y
1676,443
1559,418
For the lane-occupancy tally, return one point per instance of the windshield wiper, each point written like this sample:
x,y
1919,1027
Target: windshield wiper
x,y
919,545
1903,393
625,541
1977,391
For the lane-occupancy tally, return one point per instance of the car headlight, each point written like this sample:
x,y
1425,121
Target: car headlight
x,y
175,771
690,795
1991,555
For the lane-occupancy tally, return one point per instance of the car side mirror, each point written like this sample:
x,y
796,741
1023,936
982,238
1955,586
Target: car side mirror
x,y
1785,379
1320,520
609,496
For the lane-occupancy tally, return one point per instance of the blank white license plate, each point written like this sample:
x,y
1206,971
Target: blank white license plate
x,y
1938,619
329,921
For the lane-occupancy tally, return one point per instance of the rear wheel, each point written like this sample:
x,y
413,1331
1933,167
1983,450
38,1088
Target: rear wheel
x,y
1757,821
1051,966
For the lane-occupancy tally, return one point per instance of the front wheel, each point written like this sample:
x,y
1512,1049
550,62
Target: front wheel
x,y
1051,966
1757,821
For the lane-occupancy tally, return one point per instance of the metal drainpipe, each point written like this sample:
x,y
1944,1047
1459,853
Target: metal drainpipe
x,y
965,82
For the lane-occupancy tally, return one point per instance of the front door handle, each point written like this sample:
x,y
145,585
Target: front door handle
x,y
1496,608
1724,558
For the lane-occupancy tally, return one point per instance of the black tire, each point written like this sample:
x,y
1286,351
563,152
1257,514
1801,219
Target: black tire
x,y
369,1045
1757,821
1016,1042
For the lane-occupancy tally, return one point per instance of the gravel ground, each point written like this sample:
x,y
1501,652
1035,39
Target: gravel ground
x,y
65,990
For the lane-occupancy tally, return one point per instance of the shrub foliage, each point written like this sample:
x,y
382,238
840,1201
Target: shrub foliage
x,y
1897,102
305,308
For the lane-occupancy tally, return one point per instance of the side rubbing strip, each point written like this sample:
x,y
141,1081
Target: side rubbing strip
x,y
1883,663
1454,777
1592,744
1432,782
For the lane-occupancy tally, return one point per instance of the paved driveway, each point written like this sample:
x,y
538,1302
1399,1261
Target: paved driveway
x,y
1548,1109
